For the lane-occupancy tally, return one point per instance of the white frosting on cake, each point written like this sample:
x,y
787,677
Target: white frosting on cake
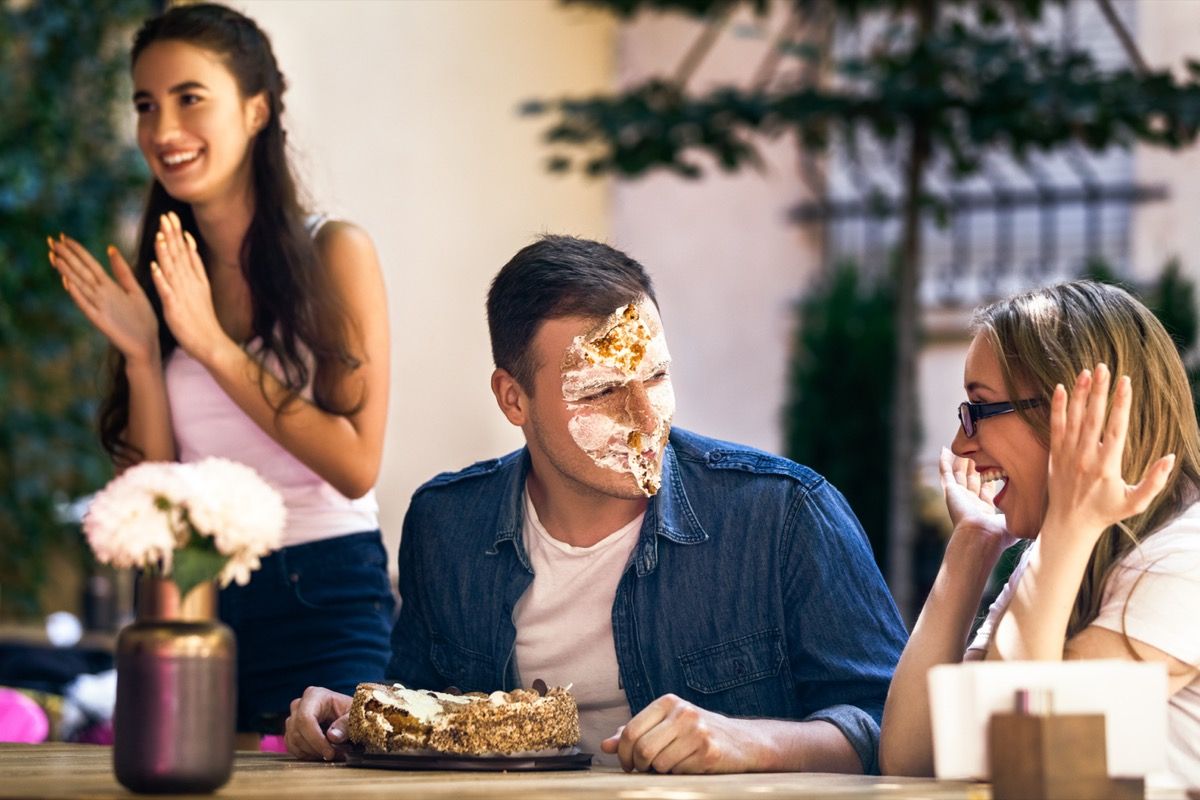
x,y
424,705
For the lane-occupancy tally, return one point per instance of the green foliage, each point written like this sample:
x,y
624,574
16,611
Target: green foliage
x,y
698,8
970,81
1173,299
994,10
837,417
64,166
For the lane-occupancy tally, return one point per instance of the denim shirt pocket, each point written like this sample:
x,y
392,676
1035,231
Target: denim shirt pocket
x,y
732,676
465,669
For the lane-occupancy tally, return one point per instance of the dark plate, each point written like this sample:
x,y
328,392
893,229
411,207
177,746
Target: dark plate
x,y
355,757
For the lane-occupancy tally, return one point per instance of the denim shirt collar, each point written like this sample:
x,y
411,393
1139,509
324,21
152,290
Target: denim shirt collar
x,y
669,514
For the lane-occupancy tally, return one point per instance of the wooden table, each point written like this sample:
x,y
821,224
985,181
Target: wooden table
x,y
85,771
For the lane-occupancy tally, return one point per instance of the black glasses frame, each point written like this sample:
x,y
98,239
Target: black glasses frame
x,y
970,413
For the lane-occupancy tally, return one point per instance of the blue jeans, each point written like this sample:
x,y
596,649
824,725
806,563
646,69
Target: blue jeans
x,y
316,614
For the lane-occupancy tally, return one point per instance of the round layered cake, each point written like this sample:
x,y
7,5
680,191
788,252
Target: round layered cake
x,y
394,719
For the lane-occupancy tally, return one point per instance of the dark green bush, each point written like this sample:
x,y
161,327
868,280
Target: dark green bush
x,y
837,417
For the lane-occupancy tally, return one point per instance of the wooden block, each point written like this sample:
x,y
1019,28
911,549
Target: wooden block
x,y
1034,757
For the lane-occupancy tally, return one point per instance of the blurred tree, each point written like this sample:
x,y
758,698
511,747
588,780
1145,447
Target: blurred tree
x,y
841,359
946,80
65,164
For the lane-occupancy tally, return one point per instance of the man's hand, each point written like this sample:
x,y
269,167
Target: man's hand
x,y
673,735
304,732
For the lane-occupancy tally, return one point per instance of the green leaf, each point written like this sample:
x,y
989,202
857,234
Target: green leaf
x,y
196,563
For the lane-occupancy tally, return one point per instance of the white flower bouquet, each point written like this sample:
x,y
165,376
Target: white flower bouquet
x,y
189,522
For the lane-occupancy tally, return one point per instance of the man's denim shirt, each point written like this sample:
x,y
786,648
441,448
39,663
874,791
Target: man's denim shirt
x,y
751,591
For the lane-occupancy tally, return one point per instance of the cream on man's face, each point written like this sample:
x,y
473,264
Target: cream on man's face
x,y
616,383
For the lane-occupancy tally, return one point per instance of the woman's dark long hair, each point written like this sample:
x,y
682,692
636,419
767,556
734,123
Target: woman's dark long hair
x,y
301,322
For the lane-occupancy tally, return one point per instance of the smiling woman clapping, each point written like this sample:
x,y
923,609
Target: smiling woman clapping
x,y
251,330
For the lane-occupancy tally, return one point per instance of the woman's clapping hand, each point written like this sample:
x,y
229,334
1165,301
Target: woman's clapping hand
x,y
182,283
118,308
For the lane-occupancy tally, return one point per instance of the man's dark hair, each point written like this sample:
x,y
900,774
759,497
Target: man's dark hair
x,y
557,276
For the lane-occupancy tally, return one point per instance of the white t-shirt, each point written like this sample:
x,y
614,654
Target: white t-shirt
x,y
1153,596
564,625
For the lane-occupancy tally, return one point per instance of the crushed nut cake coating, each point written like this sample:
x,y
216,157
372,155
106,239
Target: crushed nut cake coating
x,y
386,719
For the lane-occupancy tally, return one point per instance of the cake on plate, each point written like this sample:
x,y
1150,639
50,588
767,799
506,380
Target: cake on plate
x,y
389,718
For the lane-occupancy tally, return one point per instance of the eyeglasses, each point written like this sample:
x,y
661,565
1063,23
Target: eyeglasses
x,y
971,413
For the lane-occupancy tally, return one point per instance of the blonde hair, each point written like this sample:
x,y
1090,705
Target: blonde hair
x,y
1048,336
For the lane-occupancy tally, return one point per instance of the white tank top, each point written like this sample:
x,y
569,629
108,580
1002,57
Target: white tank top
x,y
207,422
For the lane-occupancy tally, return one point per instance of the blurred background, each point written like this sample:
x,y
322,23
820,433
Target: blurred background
x,y
822,191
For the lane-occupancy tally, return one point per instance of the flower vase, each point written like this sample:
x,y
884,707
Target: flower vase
x,y
175,717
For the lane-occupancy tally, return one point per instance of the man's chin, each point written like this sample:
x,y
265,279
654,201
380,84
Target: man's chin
x,y
628,487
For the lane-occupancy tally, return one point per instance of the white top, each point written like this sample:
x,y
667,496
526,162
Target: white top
x,y
1153,596
564,625
206,422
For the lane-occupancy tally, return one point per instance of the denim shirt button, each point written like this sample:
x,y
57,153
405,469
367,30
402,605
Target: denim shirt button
x,y
294,577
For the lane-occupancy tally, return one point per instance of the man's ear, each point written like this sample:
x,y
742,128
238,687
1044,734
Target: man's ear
x,y
511,398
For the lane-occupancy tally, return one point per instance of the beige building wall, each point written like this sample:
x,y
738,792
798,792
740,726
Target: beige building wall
x,y
403,116
727,264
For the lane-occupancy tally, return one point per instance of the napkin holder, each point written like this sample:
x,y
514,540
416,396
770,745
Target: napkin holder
x,y
1035,754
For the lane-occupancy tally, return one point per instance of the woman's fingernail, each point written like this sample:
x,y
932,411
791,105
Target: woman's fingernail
x,y
52,262
164,222
50,242
191,242
111,250
159,238
154,267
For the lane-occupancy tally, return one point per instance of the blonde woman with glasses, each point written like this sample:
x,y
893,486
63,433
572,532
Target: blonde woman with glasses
x,y
1079,433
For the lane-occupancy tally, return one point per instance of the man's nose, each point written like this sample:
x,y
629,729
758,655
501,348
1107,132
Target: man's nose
x,y
641,410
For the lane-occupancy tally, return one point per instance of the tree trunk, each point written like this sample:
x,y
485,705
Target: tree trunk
x,y
904,401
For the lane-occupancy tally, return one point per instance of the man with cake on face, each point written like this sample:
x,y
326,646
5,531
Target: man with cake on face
x,y
712,608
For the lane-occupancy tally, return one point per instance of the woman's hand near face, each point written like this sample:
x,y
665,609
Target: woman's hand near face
x,y
118,308
182,283
969,501
1087,492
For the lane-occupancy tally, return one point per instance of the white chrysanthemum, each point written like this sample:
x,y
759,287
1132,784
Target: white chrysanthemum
x,y
237,570
134,521
243,514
